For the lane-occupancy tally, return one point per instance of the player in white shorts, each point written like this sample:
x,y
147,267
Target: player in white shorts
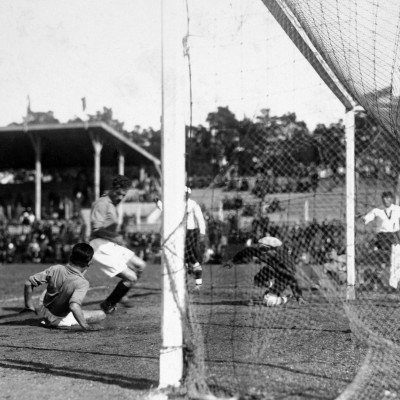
x,y
110,254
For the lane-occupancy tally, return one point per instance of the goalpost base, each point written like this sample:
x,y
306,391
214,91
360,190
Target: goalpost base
x,y
171,367
350,293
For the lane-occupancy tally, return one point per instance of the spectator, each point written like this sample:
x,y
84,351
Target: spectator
x,y
27,217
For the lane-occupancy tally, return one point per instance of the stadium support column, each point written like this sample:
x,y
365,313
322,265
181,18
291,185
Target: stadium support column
x,y
173,184
121,171
306,211
97,146
38,176
121,163
350,204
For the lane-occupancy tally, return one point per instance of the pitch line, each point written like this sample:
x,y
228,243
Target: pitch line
x,y
38,295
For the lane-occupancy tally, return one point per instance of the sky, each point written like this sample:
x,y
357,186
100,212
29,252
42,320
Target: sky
x,y
109,51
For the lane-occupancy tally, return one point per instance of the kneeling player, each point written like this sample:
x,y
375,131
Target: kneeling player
x,y
277,273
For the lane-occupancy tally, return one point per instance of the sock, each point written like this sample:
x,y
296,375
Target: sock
x,y
118,293
198,277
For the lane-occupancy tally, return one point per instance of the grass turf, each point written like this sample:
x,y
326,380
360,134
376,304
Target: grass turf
x,y
291,352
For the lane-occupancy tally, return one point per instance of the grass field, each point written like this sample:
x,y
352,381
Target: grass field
x,y
292,352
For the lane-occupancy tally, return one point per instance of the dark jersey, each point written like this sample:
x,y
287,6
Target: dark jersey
x,y
278,270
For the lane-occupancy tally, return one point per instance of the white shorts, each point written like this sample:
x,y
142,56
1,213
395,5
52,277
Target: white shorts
x,y
395,266
110,257
52,319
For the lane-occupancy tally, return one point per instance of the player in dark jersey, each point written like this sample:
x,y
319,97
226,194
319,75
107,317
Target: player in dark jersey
x,y
111,255
277,273
66,290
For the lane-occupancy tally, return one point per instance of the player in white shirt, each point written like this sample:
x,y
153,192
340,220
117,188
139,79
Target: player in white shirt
x,y
194,239
387,222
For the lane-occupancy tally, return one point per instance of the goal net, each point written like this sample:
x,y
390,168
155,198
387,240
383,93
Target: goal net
x,y
267,316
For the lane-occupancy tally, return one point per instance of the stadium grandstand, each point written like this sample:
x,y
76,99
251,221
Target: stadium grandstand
x,y
47,190
69,146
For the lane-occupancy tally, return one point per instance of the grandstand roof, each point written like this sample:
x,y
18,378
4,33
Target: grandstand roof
x,y
68,145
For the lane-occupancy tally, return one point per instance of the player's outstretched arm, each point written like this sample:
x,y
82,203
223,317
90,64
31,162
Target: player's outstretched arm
x,y
78,314
246,254
301,300
28,294
368,217
297,292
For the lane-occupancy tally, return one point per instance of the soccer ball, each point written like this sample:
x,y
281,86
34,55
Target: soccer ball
x,y
271,300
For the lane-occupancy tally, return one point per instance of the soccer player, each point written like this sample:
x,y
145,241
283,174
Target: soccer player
x,y
66,289
194,238
110,253
277,273
387,221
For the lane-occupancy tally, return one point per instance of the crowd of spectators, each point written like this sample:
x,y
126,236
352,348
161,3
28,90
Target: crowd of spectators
x,y
306,179
45,241
147,245
50,240
317,243
309,179
313,242
144,190
66,188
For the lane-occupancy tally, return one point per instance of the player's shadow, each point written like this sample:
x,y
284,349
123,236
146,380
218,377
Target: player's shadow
x,y
86,303
10,309
131,296
22,322
17,315
127,382
148,288
222,303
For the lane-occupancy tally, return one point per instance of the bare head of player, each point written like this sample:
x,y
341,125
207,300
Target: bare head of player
x,y
387,199
119,188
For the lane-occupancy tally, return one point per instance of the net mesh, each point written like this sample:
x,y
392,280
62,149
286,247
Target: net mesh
x,y
359,41
258,171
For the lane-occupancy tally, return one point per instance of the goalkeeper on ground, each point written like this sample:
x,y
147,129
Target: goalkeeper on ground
x,y
277,272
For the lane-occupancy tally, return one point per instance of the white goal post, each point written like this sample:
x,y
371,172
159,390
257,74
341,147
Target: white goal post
x,y
173,170
289,23
173,185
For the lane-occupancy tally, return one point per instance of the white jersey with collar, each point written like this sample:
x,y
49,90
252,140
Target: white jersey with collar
x,y
387,220
195,218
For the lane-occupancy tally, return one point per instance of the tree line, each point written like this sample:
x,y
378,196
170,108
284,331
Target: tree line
x,y
281,144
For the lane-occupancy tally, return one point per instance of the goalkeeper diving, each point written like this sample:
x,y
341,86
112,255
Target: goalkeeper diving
x,y
277,273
